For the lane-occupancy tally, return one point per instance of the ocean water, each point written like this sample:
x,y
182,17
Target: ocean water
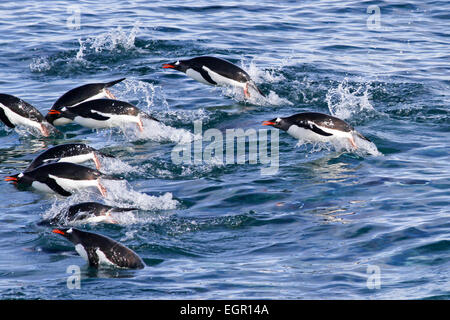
x,y
325,223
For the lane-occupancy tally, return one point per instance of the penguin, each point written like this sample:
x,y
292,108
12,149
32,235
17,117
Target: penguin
x,y
216,72
78,95
104,113
60,177
99,250
87,211
17,112
316,127
70,152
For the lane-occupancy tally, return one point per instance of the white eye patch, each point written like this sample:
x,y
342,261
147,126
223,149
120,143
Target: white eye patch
x,y
69,231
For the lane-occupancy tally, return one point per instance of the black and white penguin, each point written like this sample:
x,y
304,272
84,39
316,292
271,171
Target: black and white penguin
x,y
216,72
100,250
78,95
104,113
70,152
60,177
16,112
316,127
86,212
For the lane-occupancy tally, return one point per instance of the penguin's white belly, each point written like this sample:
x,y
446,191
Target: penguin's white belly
x,y
113,121
309,135
79,158
197,76
74,185
102,259
17,119
62,121
82,252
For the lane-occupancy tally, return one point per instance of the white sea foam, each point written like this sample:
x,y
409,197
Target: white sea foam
x,y
346,101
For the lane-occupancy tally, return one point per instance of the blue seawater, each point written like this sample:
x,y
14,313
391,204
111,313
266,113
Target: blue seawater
x,y
328,223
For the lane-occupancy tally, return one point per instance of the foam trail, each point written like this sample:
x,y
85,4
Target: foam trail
x,y
121,195
345,101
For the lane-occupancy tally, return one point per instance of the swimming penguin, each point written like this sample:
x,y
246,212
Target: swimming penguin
x,y
78,95
100,250
104,113
16,112
215,71
87,211
60,177
70,152
315,127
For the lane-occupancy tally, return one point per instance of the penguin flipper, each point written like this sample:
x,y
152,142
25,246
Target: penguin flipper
x,y
317,130
5,119
96,116
206,76
57,188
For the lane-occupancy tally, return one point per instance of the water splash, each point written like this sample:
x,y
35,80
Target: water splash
x,y
345,101
259,76
121,195
364,147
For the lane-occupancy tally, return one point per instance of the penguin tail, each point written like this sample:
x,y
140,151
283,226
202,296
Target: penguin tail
x,y
110,84
254,86
148,117
361,136
106,155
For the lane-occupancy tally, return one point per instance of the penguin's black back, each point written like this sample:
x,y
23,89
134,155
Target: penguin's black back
x,y
320,119
105,106
81,93
65,170
116,252
222,67
60,151
21,107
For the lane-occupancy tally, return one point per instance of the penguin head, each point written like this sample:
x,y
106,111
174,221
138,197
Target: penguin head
x,y
57,116
20,179
71,234
278,123
179,65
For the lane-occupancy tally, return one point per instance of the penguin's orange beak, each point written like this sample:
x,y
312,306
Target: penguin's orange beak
x,y
167,65
268,123
13,179
58,231
52,111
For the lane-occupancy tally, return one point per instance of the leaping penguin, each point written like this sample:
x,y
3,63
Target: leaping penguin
x,y
17,112
88,212
70,152
60,177
315,127
216,72
104,113
100,250
73,97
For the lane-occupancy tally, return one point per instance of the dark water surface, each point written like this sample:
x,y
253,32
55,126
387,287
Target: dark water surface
x,y
323,227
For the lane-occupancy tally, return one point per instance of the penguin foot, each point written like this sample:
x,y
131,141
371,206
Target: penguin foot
x,y
140,125
97,162
246,93
109,94
352,142
102,190
44,131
